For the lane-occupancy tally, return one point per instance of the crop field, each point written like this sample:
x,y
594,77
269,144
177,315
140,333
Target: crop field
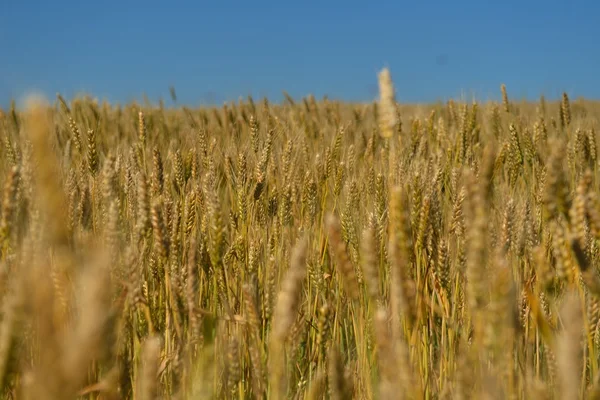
x,y
312,249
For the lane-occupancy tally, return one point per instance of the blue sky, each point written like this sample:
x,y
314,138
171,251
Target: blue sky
x,y
216,51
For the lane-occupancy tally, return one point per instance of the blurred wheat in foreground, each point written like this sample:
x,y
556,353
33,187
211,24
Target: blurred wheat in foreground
x,y
309,250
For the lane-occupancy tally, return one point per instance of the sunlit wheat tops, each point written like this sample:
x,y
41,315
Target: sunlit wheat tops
x,y
313,249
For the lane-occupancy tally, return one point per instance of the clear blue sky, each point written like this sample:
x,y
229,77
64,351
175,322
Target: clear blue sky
x,y
216,51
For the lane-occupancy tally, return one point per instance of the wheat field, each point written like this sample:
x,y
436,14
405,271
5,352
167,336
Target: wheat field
x,y
303,250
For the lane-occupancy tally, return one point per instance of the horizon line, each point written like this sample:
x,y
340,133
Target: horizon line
x,y
281,99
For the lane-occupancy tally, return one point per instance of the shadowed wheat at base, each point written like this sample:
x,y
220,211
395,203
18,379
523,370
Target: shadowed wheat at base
x,y
312,249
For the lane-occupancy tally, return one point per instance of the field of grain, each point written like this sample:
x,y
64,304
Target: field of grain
x,y
304,250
